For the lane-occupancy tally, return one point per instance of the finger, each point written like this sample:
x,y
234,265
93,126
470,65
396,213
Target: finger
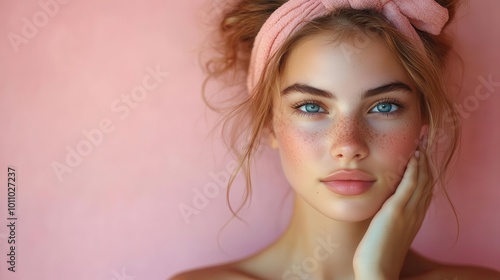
x,y
408,182
428,200
421,190
429,192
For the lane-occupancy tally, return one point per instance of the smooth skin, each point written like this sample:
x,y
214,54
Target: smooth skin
x,y
378,255
330,236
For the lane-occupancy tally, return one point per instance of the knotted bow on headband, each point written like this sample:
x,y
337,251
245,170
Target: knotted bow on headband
x,y
425,15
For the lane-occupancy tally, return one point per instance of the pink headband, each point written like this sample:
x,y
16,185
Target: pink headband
x,y
425,15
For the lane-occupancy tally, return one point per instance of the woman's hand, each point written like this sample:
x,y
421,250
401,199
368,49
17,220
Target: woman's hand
x,y
382,251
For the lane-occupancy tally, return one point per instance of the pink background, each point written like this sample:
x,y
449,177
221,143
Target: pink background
x,y
115,214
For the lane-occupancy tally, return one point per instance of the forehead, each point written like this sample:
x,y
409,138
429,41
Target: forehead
x,y
342,66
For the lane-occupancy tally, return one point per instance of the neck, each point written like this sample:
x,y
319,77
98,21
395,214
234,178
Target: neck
x,y
319,247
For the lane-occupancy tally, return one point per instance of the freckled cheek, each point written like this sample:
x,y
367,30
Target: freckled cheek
x,y
395,147
298,144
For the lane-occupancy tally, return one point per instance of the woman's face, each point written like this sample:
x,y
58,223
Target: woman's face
x,y
345,108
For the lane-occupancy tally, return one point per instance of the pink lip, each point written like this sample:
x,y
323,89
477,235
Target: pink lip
x,y
349,182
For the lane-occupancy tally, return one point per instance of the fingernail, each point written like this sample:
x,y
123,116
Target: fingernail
x,y
417,154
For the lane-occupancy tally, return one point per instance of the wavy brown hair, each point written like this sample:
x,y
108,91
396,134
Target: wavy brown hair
x,y
246,117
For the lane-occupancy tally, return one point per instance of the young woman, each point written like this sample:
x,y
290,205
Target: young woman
x,y
350,94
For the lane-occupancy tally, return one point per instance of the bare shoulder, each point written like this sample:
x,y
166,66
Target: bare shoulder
x,y
221,272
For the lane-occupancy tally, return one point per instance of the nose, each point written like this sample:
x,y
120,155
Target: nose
x,y
350,137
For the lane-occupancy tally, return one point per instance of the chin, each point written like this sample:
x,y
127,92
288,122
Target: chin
x,y
350,209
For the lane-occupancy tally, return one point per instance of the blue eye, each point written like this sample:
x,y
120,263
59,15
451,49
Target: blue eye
x,y
311,108
385,107
308,108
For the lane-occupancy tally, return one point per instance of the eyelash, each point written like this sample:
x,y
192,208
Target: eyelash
x,y
392,101
297,105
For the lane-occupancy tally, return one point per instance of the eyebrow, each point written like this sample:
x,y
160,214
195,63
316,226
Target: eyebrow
x,y
307,89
